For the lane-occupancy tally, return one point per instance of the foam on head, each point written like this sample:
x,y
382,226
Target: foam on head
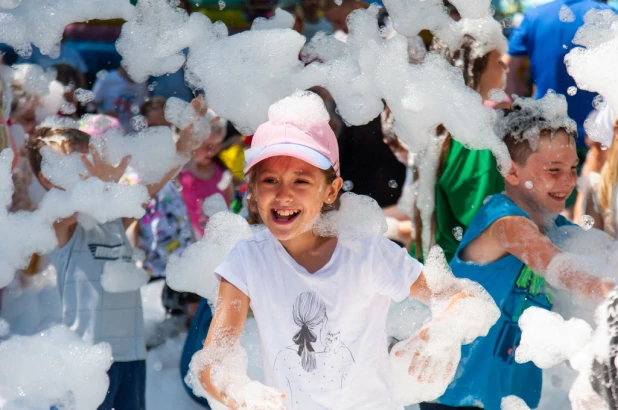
x,y
529,117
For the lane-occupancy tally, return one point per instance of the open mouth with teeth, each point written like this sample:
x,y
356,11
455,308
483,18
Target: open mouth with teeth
x,y
285,215
558,197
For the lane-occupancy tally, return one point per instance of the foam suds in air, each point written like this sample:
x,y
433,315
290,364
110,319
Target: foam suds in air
x,y
122,276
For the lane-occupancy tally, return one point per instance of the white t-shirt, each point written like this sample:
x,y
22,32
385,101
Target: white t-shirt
x,y
323,335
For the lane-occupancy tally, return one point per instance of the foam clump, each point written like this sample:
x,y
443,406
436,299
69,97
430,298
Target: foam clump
x,y
281,20
486,31
60,169
547,339
193,271
513,403
122,276
154,49
302,108
182,115
588,65
439,342
214,204
53,368
473,9
406,318
153,151
31,22
411,17
358,216
530,116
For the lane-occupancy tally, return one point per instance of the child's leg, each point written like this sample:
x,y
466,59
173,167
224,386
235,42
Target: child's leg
x,y
438,406
114,374
131,393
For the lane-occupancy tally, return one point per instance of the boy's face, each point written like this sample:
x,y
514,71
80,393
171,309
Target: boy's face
x,y
549,175
62,146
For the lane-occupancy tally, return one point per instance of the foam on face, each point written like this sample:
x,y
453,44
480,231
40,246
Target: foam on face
x,y
54,368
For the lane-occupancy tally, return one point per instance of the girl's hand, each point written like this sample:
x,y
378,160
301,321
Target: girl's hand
x,y
100,169
189,141
433,360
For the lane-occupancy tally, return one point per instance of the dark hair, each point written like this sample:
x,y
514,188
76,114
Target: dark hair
x,y
35,143
151,105
67,74
20,98
251,178
308,312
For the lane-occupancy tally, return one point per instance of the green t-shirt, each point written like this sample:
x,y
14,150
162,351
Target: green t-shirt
x,y
468,178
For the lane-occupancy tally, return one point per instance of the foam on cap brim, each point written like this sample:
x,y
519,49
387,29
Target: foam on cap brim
x,y
302,108
530,116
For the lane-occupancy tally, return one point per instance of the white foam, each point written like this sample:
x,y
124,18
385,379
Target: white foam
x,y
23,25
547,339
513,403
121,276
53,368
566,15
214,204
282,19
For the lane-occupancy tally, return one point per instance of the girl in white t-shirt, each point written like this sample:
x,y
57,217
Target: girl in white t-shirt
x,y
320,303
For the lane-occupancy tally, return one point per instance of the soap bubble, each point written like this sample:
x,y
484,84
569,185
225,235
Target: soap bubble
x,y
83,96
496,95
393,184
348,186
599,102
572,90
139,123
221,4
529,184
586,222
458,232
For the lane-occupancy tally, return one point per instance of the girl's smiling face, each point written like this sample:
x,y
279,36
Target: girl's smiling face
x,y
290,194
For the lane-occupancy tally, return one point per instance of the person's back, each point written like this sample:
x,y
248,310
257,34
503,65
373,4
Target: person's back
x,y
545,37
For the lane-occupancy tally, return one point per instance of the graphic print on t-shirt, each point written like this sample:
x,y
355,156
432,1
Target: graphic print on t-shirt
x,y
318,360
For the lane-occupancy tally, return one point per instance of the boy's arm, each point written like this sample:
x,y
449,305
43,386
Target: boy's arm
x,y
520,237
64,229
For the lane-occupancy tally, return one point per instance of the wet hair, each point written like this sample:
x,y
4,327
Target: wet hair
x,y
75,137
519,145
251,178
151,105
308,312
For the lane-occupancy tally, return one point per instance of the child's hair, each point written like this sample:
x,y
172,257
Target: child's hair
x,y
309,311
522,129
68,75
607,188
21,98
151,105
251,178
75,137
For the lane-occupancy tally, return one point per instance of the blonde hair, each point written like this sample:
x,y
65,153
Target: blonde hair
x,y
607,187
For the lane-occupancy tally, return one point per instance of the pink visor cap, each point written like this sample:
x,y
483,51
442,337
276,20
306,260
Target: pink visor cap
x,y
316,144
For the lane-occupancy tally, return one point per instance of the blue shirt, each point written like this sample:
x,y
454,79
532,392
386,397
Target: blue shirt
x,y
488,371
546,40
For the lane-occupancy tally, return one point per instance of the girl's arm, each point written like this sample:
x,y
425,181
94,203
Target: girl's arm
x,y
225,331
520,237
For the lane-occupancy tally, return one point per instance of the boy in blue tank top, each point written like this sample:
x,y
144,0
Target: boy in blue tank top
x,y
506,251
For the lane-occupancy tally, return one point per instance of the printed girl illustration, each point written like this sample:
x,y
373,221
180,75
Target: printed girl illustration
x,y
318,359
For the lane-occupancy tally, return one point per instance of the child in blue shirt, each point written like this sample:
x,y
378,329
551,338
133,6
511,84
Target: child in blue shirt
x,y
506,251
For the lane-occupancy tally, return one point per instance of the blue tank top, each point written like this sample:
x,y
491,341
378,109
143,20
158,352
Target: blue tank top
x,y
488,371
